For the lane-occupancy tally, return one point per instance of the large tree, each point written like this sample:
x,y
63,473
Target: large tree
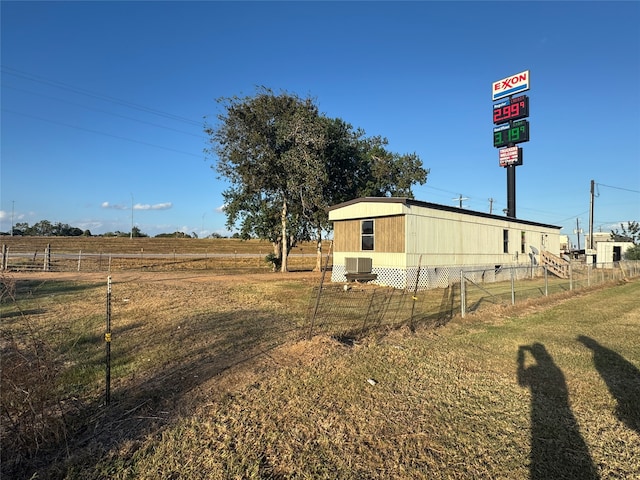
x,y
359,166
286,164
269,149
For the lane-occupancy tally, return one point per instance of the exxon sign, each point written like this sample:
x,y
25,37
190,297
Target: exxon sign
x,y
511,85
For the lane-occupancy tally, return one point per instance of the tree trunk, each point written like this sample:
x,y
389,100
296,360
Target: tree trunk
x,y
283,219
275,257
318,267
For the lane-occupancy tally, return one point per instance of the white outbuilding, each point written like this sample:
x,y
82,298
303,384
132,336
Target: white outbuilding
x,y
610,252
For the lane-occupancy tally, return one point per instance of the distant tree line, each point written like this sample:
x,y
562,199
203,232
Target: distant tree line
x,y
45,228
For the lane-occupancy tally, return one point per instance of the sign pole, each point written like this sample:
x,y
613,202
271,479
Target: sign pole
x,y
511,191
512,127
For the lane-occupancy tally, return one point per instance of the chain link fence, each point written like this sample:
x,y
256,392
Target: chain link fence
x,y
352,310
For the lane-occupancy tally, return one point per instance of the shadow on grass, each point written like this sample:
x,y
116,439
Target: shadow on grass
x,y
622,379
41,288
349,313
201,348
26,290
21,313
558,450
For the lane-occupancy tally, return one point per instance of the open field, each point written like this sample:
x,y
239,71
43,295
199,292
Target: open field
x,y
105,254
212,376
125,245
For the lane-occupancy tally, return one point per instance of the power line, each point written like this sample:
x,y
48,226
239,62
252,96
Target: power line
x,y
618,188
99,96
104,111
101,133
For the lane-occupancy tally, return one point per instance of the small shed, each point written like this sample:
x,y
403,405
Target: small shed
x,y
391,238
609,252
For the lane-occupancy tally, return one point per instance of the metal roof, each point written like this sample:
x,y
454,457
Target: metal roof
x,y
436,206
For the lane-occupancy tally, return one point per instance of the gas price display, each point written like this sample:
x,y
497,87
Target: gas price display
x,y
517,108
516,132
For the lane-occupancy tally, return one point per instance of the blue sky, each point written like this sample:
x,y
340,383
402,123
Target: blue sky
x,y
103,103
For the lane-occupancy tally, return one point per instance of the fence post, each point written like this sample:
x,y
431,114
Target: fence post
x,y
5,250
317,305
513,287
107,340
415,294
463,294
79,259
47,257
546,282
570,276
369,309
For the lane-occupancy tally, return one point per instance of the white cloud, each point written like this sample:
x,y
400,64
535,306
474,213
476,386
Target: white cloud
x,y
221,208
157,206
115,207
139,206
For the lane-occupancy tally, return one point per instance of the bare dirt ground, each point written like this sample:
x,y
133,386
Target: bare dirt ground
x,y
169,277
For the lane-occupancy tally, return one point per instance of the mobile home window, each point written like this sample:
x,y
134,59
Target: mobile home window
x,y
523,242
367,235
505,241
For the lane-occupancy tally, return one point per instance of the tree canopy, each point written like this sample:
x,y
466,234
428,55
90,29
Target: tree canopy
x,y
286,163
45,228
630,233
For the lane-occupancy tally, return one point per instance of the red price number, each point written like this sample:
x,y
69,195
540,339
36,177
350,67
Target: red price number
x,y
518,108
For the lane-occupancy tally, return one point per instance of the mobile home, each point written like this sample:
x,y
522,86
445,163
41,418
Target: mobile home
x,y
390,239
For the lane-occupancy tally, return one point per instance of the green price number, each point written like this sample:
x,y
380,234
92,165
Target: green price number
x,y
516,134
512,134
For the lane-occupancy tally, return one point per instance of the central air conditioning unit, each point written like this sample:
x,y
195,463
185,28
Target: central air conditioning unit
x,y
358,265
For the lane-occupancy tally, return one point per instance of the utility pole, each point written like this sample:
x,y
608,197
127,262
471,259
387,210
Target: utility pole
x,y
490,206
13,206
578,231
460,199
591,216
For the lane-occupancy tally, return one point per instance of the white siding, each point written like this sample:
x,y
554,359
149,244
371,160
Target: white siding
x,y
604,251
451,238
367,210
439,236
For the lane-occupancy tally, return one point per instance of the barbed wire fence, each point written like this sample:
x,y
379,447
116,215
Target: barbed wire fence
x,y
36,350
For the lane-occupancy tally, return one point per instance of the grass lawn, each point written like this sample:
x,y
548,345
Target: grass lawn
x,y
531,391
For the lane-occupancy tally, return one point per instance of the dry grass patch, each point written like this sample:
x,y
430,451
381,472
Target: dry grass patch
x,y
450,404
214,381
